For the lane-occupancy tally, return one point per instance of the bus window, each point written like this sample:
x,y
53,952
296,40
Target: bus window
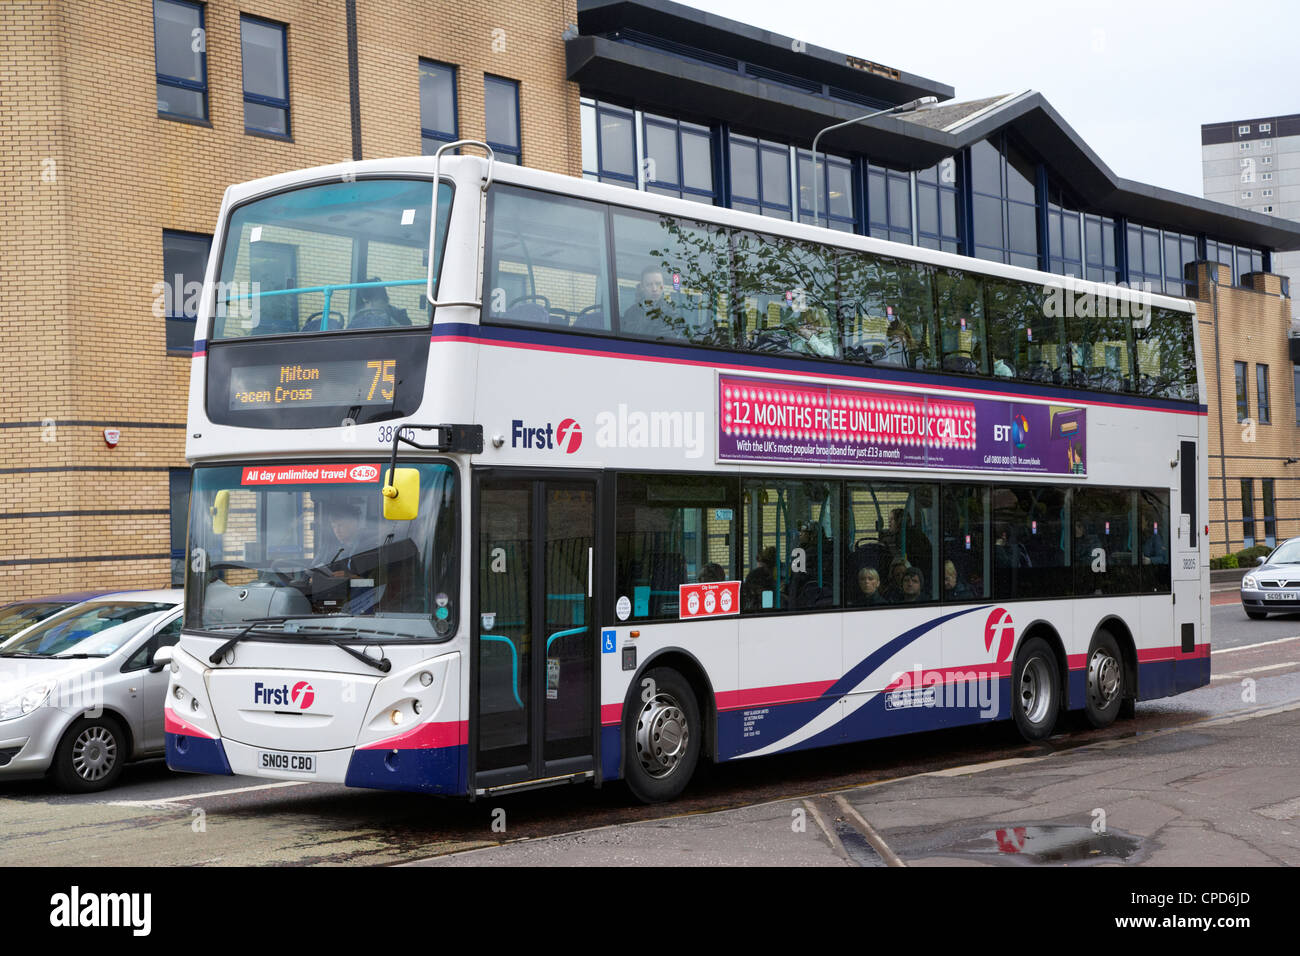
x,y
672,279
889,319
1030,542
965,542
789,546
547,261
672,530
784,295
291,262
1153,522
1101,347
1166,355
1023,342
1107,548
960,299
891,529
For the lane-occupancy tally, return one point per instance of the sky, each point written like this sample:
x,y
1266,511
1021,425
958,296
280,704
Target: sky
x,y
1134,79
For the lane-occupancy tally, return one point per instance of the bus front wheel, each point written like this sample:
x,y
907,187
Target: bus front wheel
x,y
661,736
1035,690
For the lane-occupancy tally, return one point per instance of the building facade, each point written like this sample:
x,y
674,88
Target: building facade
x,y
124,121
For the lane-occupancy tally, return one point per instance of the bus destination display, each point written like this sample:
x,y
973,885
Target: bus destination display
x,y
320,384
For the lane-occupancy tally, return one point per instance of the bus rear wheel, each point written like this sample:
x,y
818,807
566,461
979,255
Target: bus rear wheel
x,y
1104,690
661,736
1035,690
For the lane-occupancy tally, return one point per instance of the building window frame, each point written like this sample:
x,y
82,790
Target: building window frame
x,y
504,152
1248,527
175,317
1261,392
1269,511
427,133
1240,372
262,99
192,86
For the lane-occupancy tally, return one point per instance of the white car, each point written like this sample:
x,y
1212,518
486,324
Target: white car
x,y
80,694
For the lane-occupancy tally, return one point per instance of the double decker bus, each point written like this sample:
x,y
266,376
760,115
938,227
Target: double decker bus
x,y
532,480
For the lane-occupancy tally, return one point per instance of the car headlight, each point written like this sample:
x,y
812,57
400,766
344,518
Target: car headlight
x,y
1248,583
26,699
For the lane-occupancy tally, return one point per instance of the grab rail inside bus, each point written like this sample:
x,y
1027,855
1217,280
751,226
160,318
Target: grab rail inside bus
x,y
326,290
433,223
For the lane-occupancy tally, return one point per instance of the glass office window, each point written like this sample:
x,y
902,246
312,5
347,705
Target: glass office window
x,y
1064,236
835,202
265,51
501,118
608,144
760,177
185,260
1144,269
937,205
678,158
1243,396
1248,529
1100,241
1261,393
1270,512
1004,199
438,122
889,204
1180,252
180,59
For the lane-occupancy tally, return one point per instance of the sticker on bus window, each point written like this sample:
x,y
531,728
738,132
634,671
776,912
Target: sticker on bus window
x,y
623,608
1108,527
967,542
1029,332
641,600
708,599
767,600
677,282
722,514
552,678
255,234
1033,527
408,216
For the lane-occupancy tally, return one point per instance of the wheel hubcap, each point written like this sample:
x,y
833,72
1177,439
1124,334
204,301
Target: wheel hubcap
x,y
94,753
662,735
1103,678
1035,690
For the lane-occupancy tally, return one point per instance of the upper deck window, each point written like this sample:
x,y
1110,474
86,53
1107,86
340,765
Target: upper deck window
x,y
329,257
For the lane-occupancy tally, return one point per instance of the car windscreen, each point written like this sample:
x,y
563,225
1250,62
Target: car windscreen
x,y
97,629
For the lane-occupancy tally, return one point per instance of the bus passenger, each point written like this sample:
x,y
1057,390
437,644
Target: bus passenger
x,y
759,582
711,572
374,310
953,589
894,589
645,317
869,589
911,585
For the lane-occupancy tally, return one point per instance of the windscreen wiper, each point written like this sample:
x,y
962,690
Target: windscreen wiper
x,y
382,664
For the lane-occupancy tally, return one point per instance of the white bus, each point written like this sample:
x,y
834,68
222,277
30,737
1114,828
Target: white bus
x,y
672,483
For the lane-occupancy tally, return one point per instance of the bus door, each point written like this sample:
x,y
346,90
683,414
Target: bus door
x,y
534,636
1185,561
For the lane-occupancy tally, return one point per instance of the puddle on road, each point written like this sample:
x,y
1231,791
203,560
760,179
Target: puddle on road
x,y
1051,845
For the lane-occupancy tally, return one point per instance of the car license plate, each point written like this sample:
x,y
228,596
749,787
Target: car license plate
x,y
1281,595
294,763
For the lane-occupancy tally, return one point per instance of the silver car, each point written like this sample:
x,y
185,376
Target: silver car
x,y
1275,584
80,694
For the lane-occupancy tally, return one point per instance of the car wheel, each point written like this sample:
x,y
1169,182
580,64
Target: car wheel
x,y
661,736
1035,690
91,755
1256,615
1104,685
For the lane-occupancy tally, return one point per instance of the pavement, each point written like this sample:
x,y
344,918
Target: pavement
x,y
1222,791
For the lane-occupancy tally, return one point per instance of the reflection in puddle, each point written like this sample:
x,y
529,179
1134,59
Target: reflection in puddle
x,y
1055,844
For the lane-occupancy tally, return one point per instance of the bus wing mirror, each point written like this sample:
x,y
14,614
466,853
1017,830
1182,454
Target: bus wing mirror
x,y
401,490
220,511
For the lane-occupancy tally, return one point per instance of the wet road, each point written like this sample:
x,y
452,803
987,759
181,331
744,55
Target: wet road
x,y
156,817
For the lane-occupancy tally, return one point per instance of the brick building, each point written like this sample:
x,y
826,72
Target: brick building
x,y
124,120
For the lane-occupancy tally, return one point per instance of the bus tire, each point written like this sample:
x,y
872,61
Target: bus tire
x,y
662,735
90,755
1035,690
1103,692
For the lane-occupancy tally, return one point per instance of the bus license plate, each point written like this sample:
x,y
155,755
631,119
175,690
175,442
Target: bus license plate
x,y
294,763
1281,595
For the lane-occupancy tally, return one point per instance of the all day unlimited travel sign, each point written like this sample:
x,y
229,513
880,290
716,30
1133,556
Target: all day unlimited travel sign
x,y
763,420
